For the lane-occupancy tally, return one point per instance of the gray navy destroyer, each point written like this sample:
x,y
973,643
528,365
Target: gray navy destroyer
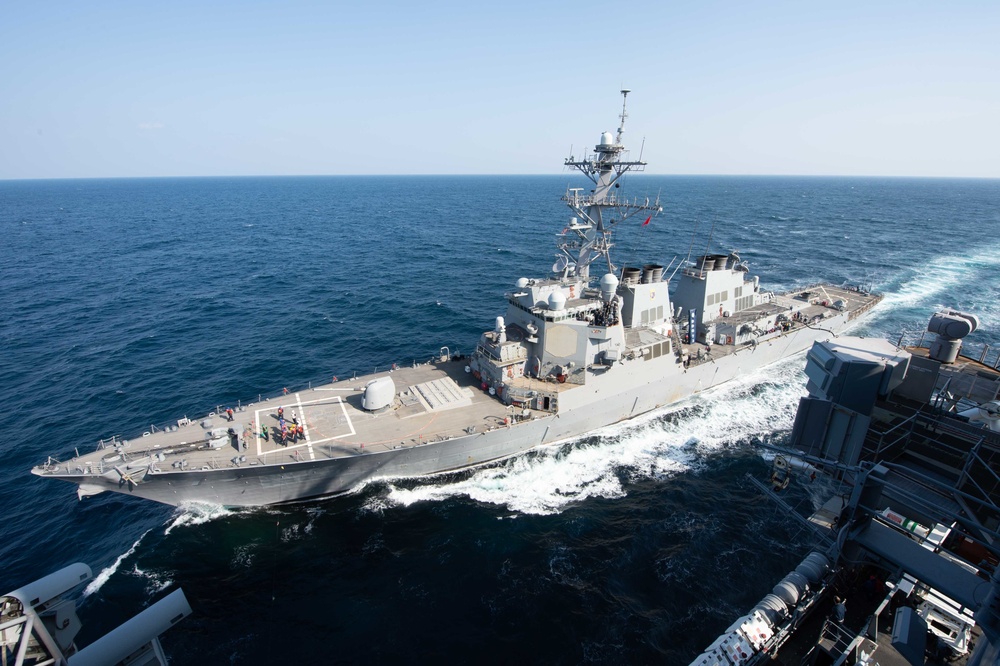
x,y
573,351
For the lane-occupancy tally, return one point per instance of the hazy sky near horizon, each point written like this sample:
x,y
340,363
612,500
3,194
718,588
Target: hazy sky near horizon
x,y
107,89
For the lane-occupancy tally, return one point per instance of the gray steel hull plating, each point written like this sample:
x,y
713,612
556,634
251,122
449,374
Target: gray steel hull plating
x,y
608,399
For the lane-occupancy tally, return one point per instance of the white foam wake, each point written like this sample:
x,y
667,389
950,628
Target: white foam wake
x,y
939,276
155,582
196,513
657,445
106,574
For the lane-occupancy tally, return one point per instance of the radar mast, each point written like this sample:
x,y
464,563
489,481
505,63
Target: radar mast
x,y
597,213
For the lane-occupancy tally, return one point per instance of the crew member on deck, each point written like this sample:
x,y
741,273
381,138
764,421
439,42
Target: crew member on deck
x,y
839,610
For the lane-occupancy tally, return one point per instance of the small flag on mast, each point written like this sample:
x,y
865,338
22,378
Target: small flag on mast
x,y
647,220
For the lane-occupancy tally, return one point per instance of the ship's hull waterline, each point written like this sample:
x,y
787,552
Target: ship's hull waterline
x,y
646,387
573,352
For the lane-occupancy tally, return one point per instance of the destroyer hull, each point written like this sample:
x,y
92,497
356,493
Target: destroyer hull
x,y
611,399
571,354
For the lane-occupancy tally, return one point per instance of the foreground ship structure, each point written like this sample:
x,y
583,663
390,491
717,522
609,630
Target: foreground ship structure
x,y
39,625
588,345
906,442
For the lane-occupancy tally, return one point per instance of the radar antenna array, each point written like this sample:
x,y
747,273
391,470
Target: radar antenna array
x,y
603,208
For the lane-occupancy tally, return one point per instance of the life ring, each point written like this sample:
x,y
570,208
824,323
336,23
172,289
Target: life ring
x,y
510,372
729,339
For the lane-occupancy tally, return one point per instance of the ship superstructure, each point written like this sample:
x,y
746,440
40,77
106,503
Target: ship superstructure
x,y
572,352
906,569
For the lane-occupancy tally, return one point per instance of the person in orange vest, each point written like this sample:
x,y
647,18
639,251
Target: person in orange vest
x,y
300,431
229,413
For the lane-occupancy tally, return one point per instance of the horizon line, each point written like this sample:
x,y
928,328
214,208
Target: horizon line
x,y
493,175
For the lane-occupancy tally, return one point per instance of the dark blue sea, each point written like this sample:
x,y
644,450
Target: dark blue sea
x,y
127,303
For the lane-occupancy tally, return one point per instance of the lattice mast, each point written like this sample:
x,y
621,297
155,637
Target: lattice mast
x,y
596,214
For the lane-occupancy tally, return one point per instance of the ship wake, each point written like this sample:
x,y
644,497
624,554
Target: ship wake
x,y
946,276
660,445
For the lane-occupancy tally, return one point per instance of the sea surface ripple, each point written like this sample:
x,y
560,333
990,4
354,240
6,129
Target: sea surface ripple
x,y
135,302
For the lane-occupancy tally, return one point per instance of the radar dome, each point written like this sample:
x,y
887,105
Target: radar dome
x,y
557,300
606,139
609,284
521,283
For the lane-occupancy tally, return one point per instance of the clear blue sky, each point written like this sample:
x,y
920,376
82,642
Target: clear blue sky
x,y
93,89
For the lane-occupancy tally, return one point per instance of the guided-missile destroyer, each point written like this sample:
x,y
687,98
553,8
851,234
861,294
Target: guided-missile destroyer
x,y
589,344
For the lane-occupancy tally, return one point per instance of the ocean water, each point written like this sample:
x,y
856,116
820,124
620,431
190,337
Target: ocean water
x,y
132,302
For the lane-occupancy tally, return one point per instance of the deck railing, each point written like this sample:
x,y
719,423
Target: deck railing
x,y
982,352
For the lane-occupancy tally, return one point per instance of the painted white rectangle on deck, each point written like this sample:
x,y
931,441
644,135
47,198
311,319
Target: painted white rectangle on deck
x,y
305,426
300,408
350,424
347,419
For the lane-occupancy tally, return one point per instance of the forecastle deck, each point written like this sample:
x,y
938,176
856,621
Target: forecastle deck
x,y
436,401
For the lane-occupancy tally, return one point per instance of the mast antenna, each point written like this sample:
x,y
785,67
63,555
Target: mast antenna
x,y
679,264
621,128
708,248
694,233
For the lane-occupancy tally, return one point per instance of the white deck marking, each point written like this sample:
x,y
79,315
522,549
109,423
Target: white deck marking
x,y
305,426
308,445
260,428
343,409
347,417
350,425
